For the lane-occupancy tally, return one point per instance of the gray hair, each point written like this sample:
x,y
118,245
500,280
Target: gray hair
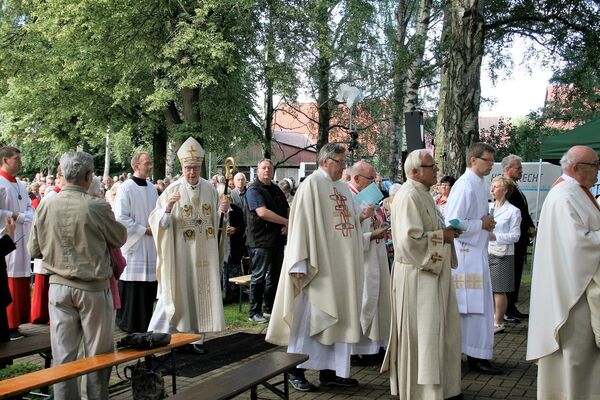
x,y
330,150
509,160
95,188
568,160
263,160
394,189
75,165
414,161
239,174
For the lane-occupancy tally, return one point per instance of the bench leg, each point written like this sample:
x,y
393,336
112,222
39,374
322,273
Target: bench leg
x,y
240,303
286,386
174,380
253,395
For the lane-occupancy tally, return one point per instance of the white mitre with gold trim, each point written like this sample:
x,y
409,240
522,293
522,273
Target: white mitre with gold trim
x,y
190,152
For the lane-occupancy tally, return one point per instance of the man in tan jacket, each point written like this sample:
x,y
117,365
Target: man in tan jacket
x,y
71,233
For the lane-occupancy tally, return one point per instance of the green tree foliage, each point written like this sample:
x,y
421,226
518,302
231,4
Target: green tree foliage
x,y
73,69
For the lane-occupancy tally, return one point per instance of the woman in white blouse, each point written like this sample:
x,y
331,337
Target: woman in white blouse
x,y
501,247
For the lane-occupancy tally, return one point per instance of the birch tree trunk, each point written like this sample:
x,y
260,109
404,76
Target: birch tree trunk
x,y
414,74
400,62
460,92
107,154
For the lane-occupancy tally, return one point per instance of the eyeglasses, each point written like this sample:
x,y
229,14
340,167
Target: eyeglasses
x,y
594,164
489,160
341,162
369,178
429,166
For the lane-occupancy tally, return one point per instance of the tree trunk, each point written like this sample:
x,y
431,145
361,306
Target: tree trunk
x,y
107,154
159,151
460,92
268,71
417,52
400,62
172,119
323,75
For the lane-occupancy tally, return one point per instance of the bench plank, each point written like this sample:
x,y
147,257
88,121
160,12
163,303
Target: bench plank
x,y
240,379
26,346
243,280
82,366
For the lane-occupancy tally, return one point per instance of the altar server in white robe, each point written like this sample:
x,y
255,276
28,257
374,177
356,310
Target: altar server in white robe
x,y
468,203
136,198
375,311
184,227
318,302
423,354
564,318
16,204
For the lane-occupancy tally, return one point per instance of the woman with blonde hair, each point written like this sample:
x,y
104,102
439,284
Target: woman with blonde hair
x,y
501,248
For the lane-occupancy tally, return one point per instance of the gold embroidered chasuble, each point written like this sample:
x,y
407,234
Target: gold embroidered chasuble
x,y
189,258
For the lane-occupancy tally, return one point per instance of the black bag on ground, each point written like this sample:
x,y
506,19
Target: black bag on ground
x,y
144,340
145,383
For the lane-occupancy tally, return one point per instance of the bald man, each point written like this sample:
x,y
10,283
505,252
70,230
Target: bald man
x,y
375,307
564,320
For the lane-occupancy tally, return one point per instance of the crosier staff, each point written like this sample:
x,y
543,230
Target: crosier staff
x,y
230,168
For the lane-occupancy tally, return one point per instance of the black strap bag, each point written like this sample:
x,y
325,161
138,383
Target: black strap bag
x,y
145,383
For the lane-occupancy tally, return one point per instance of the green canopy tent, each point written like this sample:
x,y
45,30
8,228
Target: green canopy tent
x,y
554,147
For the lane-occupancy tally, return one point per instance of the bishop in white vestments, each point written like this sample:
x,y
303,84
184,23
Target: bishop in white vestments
x,y
423,354
318,301
468,204
564,318
184,227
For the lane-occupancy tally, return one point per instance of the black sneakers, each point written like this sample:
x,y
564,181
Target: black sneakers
x,y
15,334
339,382
300,383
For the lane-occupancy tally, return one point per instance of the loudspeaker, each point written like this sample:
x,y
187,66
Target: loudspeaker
x,y
413,126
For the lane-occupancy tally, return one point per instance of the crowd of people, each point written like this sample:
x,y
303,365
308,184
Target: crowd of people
x,y
422,274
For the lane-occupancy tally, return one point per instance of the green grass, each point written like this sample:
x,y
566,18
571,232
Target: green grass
x,y
234,319
18,369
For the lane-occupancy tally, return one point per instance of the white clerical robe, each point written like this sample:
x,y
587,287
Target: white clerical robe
x,y
468,203
133,205
375,310
566,261
320,314
189,262
423,354
18,262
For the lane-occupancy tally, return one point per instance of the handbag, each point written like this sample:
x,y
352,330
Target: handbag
x,y
144,340
498,250
145,383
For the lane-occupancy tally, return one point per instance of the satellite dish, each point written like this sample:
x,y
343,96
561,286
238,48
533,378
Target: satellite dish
x,y
349,95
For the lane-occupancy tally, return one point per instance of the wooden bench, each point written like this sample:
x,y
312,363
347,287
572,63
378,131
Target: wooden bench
x,y
247,376
39,379
241,282
39,343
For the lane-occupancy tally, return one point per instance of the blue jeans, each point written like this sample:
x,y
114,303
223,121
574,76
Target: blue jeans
x,y
266,268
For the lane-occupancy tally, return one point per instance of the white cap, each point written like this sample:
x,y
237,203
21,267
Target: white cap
x,y
190,152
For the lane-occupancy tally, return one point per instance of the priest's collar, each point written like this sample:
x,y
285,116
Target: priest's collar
x,y
139,181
